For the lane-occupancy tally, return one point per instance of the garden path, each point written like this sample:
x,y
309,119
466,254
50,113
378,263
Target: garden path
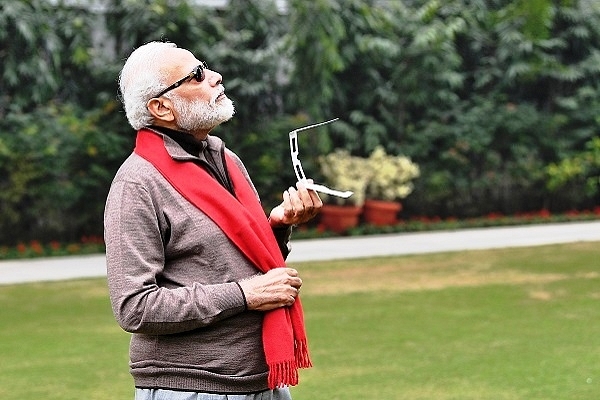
x,y
89,266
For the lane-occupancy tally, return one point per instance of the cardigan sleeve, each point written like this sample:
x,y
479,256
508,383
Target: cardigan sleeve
x,y
135,261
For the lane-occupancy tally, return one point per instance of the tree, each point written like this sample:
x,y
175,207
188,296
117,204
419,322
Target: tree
x,y
44,47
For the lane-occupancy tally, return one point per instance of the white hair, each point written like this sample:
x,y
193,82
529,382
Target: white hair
x,y
141,79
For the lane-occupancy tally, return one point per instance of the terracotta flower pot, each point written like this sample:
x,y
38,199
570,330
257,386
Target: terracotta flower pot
x,y
340,218
381,213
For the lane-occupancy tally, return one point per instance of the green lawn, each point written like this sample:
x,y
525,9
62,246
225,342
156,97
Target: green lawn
x,y
502,324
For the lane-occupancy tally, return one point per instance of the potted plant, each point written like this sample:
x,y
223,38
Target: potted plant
x,y
343,171
391,180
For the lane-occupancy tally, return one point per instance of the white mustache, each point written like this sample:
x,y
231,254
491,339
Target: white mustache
x,y
213,100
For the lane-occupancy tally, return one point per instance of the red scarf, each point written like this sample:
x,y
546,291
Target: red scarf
x,y
244,222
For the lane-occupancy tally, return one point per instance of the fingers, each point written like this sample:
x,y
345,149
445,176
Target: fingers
x,y
278,287
301,205
294,283
295,287
312,195
292,279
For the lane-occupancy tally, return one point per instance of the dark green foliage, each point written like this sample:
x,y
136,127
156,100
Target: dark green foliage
x,y
56,167
46,54
483,95
578,173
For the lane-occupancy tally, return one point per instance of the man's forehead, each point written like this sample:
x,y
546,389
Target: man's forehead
x,y
178,60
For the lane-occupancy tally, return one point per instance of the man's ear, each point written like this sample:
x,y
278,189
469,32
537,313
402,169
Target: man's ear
x,y
161,109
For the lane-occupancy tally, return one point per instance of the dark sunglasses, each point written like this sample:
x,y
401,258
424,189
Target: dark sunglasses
x,y
197,73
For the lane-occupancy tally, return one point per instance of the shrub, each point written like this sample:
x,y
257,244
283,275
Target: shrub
x,y
55,170
391,176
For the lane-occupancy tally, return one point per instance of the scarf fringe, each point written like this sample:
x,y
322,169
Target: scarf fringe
x,y
301,354
282,374
285,373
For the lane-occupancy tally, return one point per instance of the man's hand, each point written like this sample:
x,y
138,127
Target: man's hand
x,y
299,205
277,288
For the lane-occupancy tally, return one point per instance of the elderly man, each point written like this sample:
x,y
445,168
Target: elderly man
x,y
196,270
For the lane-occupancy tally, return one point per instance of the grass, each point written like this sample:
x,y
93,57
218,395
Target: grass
x,y
496,324
59,341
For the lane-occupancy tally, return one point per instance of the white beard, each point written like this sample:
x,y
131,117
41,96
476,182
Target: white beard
x,y
197,115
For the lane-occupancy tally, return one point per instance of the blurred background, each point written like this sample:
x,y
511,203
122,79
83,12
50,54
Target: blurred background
x,y
495,101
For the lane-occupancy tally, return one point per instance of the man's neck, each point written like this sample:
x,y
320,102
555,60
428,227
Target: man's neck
x,y
200,134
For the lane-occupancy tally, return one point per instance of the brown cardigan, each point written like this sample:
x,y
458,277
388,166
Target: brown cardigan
x,y
172,277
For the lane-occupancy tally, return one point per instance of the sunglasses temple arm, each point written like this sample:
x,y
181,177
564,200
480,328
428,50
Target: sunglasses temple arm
x,y
326,190
299,171
305,128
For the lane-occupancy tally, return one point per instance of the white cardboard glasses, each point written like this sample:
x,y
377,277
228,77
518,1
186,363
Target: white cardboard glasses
x,y
298,166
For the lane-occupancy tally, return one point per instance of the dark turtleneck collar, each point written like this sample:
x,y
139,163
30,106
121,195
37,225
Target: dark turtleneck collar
x,y
188,142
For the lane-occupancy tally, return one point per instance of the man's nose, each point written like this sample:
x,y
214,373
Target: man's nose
x,y
214,78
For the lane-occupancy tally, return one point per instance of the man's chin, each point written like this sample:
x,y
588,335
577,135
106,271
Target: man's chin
x,y
226,109
222,117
